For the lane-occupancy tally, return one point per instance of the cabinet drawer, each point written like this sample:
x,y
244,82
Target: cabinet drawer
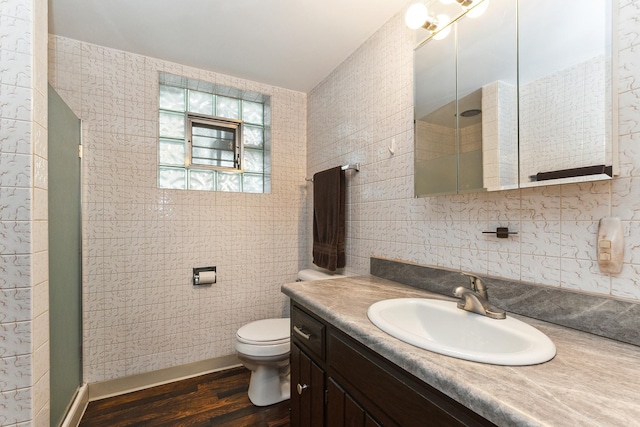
x,y
307,331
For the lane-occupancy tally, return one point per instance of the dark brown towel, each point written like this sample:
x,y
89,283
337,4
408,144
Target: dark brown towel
x,y
329,219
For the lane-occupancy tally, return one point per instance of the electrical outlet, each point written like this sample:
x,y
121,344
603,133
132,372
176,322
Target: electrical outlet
x,y
610,245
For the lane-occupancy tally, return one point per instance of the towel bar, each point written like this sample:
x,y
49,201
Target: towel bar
x,y
348,166
354,166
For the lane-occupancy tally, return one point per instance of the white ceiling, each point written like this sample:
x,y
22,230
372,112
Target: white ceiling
x,y
292,44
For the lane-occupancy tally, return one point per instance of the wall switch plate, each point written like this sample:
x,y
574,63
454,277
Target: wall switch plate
x,y
610,245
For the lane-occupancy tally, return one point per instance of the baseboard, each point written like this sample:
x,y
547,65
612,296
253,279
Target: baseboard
x,y
105,389
78,406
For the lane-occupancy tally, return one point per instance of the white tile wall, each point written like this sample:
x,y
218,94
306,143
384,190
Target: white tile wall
x,y
40,398
140,242
24,389
367,101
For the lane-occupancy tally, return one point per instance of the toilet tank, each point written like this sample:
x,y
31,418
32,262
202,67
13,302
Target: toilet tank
x,y
313,274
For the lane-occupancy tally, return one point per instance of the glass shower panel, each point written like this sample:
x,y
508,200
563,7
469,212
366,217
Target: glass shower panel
x,y
65,258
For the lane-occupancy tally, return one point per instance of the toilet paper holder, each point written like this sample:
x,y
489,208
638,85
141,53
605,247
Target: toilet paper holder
x,y
207,278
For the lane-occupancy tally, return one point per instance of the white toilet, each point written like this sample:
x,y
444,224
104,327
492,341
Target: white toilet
x,y
263,347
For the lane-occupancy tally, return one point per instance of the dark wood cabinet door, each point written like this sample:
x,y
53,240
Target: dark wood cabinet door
x,y
335,404
343,411
307,391
295,379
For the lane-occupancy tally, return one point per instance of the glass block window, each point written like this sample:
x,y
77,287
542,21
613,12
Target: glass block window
x,y
213,137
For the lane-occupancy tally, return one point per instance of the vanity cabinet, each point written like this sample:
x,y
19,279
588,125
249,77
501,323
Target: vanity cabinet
x,y
336,381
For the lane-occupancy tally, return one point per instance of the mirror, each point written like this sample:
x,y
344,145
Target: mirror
x,y
436,153
487,67
495,111
565,91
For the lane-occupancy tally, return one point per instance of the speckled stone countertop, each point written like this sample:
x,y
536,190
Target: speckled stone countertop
x,y
592,381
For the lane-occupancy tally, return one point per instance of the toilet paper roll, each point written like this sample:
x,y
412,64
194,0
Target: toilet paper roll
x,y
207,277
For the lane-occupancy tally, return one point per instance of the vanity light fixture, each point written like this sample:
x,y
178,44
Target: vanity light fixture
x,y
439,27
443,23
417,16
475,8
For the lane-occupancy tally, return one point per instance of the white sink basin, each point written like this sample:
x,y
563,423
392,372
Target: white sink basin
x,y
441,327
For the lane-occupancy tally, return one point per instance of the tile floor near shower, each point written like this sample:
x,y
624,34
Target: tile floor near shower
x,y
217,399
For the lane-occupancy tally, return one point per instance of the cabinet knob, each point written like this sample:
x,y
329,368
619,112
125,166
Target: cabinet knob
x,y
302,388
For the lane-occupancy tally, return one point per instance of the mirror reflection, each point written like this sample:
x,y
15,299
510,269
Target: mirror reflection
x,y
500,101
564,90
436,153
487,67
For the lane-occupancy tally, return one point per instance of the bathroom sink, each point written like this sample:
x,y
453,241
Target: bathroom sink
x,y
441,327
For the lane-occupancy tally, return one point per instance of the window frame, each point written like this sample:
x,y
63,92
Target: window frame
x,y
220,122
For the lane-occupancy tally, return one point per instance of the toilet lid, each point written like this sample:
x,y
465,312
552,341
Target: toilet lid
x,y
267,331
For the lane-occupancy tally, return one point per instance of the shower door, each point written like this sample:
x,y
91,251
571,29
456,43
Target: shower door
x,y
65,258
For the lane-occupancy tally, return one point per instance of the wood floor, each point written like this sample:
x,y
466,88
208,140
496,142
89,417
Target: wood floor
x,y
217,399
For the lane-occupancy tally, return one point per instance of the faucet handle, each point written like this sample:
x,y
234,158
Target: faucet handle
x,y
473,280
476,284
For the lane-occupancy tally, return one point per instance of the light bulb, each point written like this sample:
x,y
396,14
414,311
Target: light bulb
x,y
416,16
479,9
443,21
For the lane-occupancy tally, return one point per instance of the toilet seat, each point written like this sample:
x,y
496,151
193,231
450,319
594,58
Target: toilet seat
x,y
264,338
265,332
252,342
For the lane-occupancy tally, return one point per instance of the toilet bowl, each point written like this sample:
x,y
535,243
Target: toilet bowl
x,y
263,347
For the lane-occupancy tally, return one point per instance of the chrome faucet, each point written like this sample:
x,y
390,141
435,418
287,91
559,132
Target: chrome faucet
x,y
476,299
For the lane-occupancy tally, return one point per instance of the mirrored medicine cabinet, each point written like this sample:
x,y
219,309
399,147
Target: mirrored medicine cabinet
x,y
520,96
